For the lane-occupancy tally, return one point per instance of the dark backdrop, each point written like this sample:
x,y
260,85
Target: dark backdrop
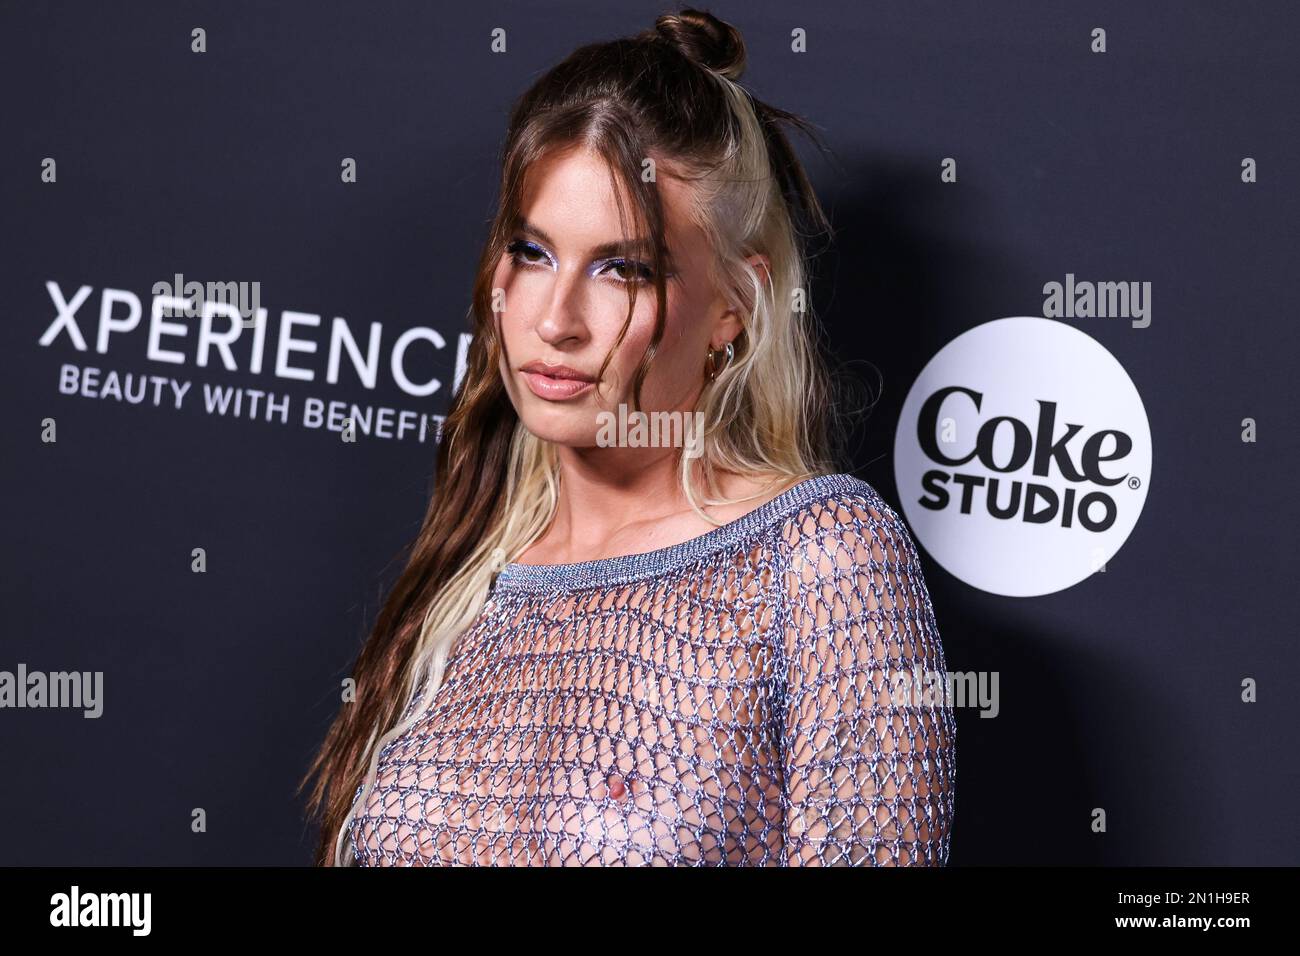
x,y
1121,692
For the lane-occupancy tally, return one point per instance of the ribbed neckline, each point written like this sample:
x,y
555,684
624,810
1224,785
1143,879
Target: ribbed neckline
x,y
622,569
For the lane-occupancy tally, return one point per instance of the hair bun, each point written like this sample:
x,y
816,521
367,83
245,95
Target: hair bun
x,y
702,37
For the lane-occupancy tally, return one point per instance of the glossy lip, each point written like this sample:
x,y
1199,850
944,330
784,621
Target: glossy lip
x,y
555,382
556,371
544,386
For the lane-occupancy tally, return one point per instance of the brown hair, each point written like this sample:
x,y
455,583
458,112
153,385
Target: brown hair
x,y
669,93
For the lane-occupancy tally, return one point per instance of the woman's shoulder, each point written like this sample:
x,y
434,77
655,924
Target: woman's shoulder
x,y
848,563
836,500
840,519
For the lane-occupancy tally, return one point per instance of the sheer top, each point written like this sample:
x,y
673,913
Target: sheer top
x,y
760,695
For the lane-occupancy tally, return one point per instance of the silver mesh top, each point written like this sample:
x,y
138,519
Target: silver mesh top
x,y
755,696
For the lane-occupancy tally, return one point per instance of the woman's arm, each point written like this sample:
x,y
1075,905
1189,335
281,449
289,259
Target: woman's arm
x,y
867,738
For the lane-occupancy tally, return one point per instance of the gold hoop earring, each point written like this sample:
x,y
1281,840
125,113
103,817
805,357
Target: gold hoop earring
x,y
711,362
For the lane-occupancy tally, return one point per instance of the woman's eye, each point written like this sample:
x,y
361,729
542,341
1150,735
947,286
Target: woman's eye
x,y
521,249
629,270
523,252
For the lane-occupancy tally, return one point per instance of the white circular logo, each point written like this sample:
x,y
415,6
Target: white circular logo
x,y
1023,456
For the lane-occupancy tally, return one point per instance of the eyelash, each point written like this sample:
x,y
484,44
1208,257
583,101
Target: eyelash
x,y
644,273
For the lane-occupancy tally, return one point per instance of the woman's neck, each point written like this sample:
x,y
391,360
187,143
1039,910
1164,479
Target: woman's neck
x,y
608,508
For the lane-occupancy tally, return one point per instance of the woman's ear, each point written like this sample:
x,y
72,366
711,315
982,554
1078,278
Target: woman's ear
x,y
729,324
763,265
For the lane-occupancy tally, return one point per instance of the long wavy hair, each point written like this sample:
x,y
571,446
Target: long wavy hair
x,y
668,94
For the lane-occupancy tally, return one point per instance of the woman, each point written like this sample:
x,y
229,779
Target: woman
x,y
606,650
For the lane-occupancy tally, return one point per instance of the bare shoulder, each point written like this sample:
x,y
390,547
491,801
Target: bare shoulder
x,y
749,492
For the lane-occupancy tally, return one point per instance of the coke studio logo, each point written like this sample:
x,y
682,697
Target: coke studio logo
x,y
1023,456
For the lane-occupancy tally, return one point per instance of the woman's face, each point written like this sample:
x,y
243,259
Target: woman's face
x,y
565,276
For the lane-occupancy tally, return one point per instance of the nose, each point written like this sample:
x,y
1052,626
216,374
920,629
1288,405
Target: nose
x,y
562,320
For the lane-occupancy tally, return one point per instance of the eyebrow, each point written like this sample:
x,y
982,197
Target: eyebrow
x,y
605,250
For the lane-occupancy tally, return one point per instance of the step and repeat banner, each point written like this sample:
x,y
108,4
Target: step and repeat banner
x,y
238,245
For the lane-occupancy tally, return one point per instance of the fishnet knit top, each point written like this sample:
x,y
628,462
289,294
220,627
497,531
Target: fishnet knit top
x,y
745,698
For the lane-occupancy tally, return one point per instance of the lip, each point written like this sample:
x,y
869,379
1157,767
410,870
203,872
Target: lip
x,y
555,382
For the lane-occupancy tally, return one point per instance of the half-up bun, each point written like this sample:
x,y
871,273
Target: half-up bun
x,y
703,38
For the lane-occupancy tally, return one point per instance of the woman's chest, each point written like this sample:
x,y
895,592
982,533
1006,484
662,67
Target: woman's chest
x,y
588,734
